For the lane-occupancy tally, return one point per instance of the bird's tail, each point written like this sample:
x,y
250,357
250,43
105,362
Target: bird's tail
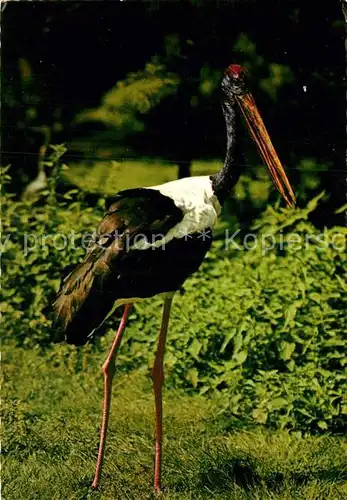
x,y
82,303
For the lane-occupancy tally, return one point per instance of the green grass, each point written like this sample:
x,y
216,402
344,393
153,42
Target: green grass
x,y
51,434
109,177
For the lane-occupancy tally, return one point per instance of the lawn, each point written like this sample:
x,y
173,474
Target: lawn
x,y
50,440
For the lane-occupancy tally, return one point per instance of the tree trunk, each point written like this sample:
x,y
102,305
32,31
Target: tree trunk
x,y
184,169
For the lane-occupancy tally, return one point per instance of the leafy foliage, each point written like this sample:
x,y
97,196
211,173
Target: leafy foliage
x,y
278,74
129,98
265,326
261,323
38,240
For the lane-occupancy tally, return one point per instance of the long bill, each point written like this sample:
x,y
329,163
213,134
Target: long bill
x,y
262,139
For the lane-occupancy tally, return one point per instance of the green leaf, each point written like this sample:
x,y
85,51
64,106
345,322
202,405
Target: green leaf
x,y
227,339
312,205
238,341
260,415
287,349
290,314
277,403
195,347
315,296
240,357
193,376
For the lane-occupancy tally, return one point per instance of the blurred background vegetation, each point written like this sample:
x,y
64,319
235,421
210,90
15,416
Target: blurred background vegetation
x,y
101,96
132,89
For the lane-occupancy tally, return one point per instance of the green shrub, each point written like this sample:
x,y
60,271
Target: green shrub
x,y
123,104
263,326
33,257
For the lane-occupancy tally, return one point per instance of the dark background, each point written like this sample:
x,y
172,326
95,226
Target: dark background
x,y
79,50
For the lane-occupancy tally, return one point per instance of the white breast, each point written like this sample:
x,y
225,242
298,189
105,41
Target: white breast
x,y
195,197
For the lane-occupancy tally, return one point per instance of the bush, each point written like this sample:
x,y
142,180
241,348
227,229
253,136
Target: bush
x,y
263,326
123,104
33,257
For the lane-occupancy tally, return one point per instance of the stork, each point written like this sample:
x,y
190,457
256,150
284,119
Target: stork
x,y
148,243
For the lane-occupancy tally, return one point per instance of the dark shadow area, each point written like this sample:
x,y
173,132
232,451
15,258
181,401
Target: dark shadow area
x,y
240,471
243,471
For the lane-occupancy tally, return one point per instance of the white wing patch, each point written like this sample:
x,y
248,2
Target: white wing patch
x,y
195,197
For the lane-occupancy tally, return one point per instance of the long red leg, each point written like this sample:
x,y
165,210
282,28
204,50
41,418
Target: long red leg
x,y
158,380
109,369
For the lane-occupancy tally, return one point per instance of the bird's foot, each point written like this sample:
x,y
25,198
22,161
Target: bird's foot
x,y
158,490
95,484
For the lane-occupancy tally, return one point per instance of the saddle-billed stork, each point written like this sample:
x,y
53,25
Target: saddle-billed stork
x,y
149,242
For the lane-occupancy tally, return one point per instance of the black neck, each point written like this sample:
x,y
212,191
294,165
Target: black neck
x,y
227,177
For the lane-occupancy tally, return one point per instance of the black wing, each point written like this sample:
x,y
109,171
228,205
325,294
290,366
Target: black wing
x,y
87,293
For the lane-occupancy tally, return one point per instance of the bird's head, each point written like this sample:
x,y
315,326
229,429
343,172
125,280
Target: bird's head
x,y
235,81
235,87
